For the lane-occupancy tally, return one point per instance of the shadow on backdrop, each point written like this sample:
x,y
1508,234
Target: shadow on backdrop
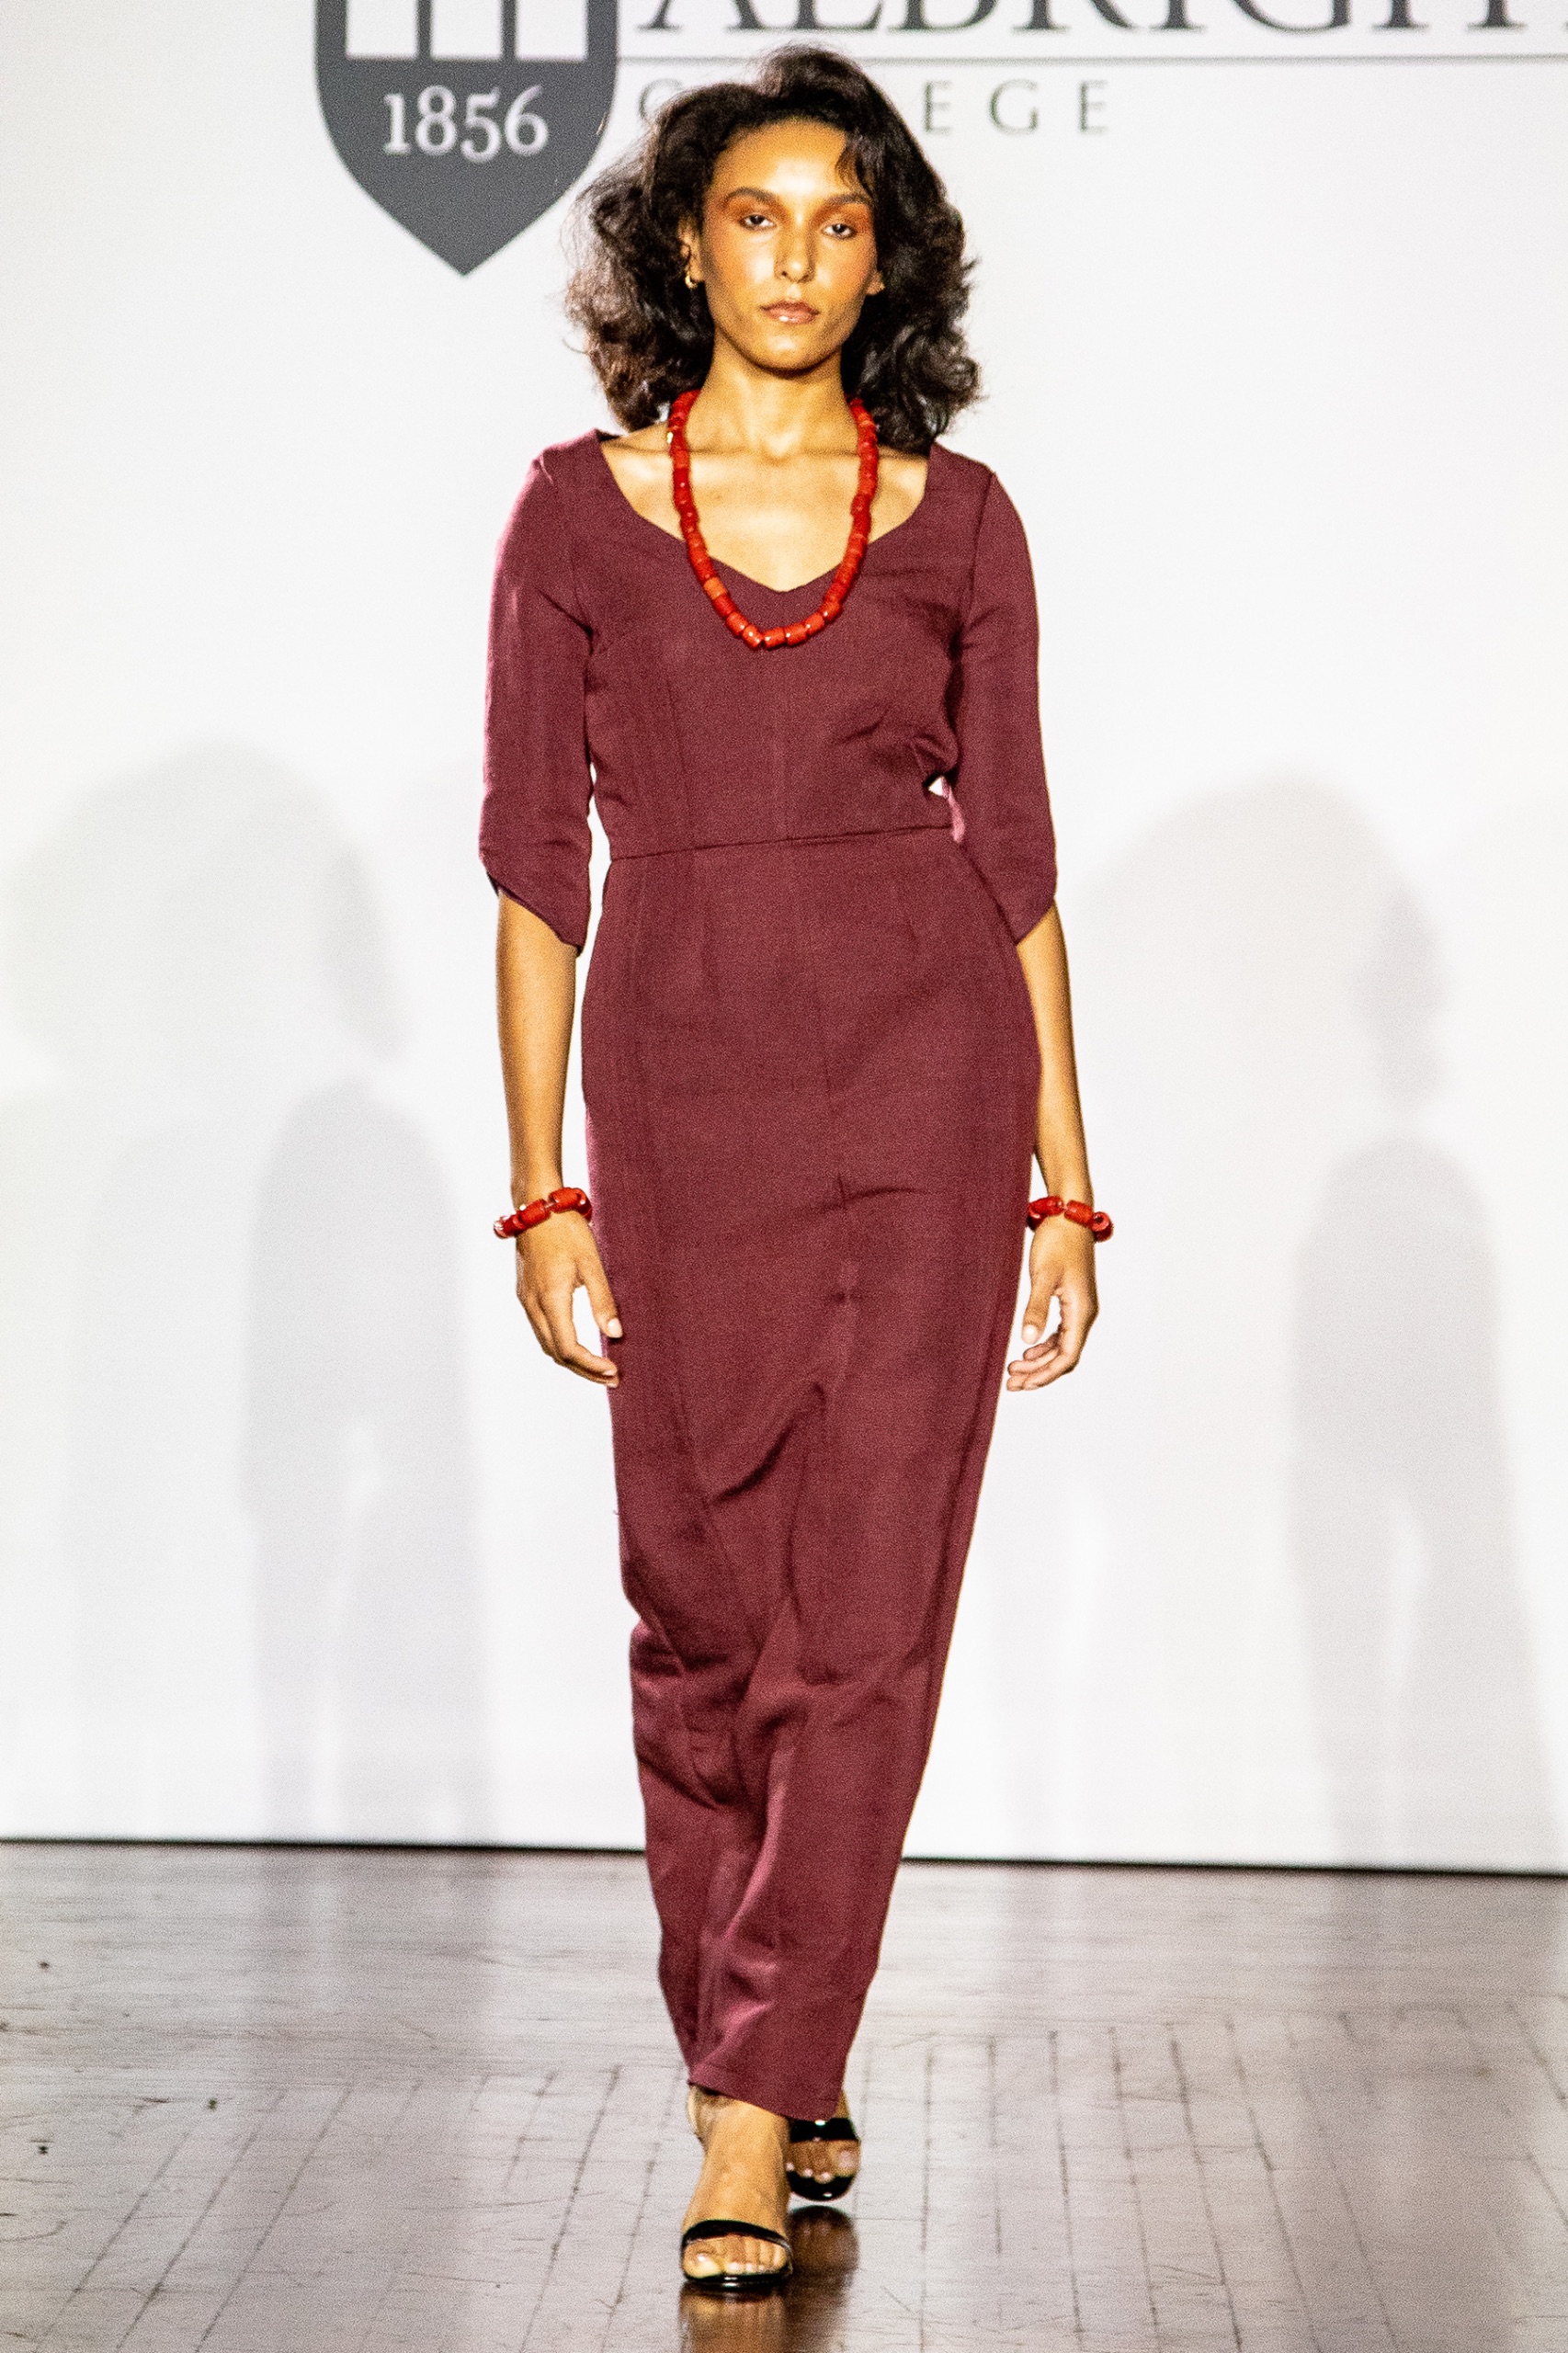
x,y
279,1427
1219,1060
1427,1693
357,1461
1188,1660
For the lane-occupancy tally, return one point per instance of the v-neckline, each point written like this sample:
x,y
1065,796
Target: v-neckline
x,y
760,586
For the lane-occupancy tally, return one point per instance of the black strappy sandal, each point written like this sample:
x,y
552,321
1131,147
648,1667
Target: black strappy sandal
x,y
831,2129
736,2283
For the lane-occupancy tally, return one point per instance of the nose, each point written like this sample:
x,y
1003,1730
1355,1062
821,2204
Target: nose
x,y
794,257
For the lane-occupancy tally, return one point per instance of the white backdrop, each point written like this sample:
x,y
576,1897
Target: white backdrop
x,y
302,1537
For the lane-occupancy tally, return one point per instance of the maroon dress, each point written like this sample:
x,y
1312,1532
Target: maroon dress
x,y
811,1070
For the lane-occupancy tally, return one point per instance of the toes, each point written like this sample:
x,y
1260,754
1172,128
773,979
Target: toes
x,y
710,2256
824,2160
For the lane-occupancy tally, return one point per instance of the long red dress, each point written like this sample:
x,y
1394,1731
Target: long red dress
x,y
810,1068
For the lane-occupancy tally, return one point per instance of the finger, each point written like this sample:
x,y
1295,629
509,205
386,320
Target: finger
x,y
1077,1314
601,1298
1036,1314
568,1348
1078,1311
603,1371
1039,1341
534,1311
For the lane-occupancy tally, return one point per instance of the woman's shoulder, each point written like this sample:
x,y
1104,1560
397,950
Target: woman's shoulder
x,y
963,484
969,481
554,509
563,469
959,469
974,495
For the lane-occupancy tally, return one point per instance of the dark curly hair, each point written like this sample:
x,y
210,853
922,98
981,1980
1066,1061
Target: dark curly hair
x,y
649,335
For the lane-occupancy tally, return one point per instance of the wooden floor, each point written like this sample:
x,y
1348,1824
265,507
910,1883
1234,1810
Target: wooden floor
x,y
272,2102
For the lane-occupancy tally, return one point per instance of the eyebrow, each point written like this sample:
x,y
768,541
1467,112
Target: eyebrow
x,y
849,196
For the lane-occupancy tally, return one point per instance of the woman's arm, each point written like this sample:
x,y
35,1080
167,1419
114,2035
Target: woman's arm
x,y
536,987
1062,1256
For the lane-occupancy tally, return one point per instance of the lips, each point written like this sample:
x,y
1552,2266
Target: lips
x,y
790,314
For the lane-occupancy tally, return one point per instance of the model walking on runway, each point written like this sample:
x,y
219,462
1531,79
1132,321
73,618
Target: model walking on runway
x,y
788,643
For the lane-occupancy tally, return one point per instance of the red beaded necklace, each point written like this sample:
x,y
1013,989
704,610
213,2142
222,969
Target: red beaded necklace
x,y
842,579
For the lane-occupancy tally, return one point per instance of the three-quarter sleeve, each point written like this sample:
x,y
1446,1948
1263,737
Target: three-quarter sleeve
x,y
533,833
999,780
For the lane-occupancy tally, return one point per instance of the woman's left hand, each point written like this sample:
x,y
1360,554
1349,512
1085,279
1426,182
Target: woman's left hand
x,y
1061,1267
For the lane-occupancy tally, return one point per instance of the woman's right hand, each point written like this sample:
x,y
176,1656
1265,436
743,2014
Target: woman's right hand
x,y
554,1261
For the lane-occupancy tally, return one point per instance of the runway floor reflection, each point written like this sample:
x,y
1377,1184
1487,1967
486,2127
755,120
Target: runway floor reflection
x,y
278,2100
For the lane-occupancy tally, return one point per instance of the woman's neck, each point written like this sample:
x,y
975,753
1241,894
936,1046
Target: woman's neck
x,y
745,408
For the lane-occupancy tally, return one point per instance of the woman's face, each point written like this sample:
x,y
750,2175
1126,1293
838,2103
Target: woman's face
x,y
784,247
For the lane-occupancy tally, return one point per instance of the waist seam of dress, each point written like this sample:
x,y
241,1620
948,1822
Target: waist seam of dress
x,y
785,841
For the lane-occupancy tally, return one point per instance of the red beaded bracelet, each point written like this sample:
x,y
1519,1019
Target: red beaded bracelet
x,y
565,1197
1076,1212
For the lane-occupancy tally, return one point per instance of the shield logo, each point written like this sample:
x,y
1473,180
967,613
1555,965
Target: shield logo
x,y
466,119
